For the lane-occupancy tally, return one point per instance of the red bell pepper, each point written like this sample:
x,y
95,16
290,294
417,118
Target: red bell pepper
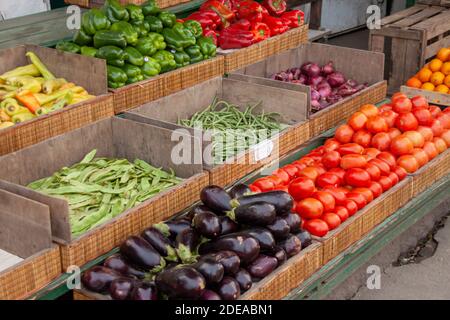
x,y
204,19
242,24
210,34
230,4
275,7
276,25
225,13
294,18
230,38
248,8
260,31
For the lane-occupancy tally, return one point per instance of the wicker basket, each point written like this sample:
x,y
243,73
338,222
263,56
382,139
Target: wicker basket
x,y
98,3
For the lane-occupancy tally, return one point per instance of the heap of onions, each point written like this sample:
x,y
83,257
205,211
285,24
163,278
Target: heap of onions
x,y
328,86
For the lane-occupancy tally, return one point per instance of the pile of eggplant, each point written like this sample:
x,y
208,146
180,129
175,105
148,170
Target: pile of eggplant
x,y
216,251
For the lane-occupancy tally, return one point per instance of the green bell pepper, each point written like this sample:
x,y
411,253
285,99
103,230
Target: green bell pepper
x,y
167,18
207,47
194,53
81,38
115,12
89,51
141,27
165,59
131,35
185,33
116,77
132,72
134,56
146,46
68,46
154,23
110,38
195,27
176,40
135,12
181,58
94,20
150,68
150,8
158,40
113,55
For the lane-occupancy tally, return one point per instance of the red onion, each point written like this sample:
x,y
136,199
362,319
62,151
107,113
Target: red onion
x,y
315,95
302,78
336,79
328,69
314,81
311,69
315,105
352,83
324,90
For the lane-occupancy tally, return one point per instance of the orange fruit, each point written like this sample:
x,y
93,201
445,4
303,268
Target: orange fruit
x,y
435,65
444,54
442,88
437,78
447,81
445,69
414,83
425,75
428,86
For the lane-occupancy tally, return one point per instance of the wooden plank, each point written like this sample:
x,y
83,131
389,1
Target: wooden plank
x,y
433,48
315,14
376,43
398,56
32,19
397,33
418,17
436,25
401,14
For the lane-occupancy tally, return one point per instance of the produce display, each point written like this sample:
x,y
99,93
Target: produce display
x,y
235,24
229,124
435,75
99,189
367,156
328,85
214,252
32,90
138,42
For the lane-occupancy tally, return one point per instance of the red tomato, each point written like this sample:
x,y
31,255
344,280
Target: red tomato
x,y
282,188
376,189
371,153
389,116
416,138
373,171
435,111
388,158
383,166
446,110
331,159
342,212
423,116
430,148
421,156
377,124
351,207
353,161
299,165
337,193
327,200
338,171
320,169
308,161
366,192
357,177
316,227
393,133
446,137
254,188
444,119
301,188
344,133
309,172
420,102
426,133
332,144
397,96
332,220
350,148
400,172
402,105
283,176
385,107
409,163
357,121
291,170
369,110
394,178
437,128
264,184
362,137
401,146
309,208
358,198
381,141
385,182
406,122
440,144
328,179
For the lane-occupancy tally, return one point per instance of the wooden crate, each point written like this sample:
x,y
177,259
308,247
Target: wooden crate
x,y
74,68
442,99
99,3
412,36
443,3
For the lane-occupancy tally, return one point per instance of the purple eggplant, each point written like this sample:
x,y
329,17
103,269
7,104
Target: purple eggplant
x,y
228,259
281,200
121,288
291,245
181,282
161,244
239,190
210,295
262,235
227,225
118,263
229,289
145,291
244,279
207,224
293,220
245,246
262,266
279,228
187,242
211,270
171,228
304,237
196,209
99,278
216,199
142,254
278,253
254,214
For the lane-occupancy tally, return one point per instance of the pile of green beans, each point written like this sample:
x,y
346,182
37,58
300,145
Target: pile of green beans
x,y
228,123
98,189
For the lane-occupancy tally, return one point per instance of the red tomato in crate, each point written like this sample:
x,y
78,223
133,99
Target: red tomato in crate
x,y
444,119
389,116
402,105
351,207
309,208
446,137
401,146
400,172
301,188
381,141
283,176
416,138
371,152
337,193
338,171
362,137
331,159
344,133
393,133
358,198
332,144
308,161
437,128
299,165
277,182
406,122
377,124
376,189
421,156
388,158
398,96
369,110
426,133
385,182
366,192
430,148
357,121
357,177
326,199
316,227
342,212
309,172
420,102
350,148
435,111
423,116
440,144
373,171
385,107
409,163
394,178
353,161
264,184
332,220
328,179
291,170
383,166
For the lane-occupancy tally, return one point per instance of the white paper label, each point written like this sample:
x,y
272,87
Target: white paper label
x,y
262,150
